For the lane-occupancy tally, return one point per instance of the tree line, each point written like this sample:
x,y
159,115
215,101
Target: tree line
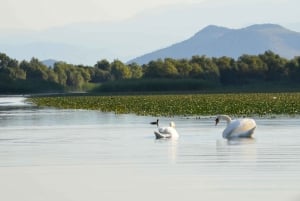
x,y
34,76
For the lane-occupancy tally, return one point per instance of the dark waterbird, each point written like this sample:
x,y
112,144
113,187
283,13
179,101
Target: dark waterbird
x,y
155,122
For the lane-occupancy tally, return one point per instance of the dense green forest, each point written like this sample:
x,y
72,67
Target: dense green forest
x,y
196,73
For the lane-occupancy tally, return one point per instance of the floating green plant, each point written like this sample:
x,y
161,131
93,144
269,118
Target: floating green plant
x,y
183,104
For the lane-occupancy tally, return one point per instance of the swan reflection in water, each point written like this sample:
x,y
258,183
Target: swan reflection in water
x,y
241,141
237,149
167,134
172,146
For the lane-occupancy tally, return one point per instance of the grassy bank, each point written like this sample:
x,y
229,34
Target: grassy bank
x,y
157,85
190,85
182,104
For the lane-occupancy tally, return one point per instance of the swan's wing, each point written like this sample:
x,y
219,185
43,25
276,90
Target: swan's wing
x,y
166,132
240,128
247,133
247,127
231,128
159,135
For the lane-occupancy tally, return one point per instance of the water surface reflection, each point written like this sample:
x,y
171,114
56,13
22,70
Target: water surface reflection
x,y
88,155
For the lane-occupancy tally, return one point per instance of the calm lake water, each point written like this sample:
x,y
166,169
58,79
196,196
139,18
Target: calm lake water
x,y
70,155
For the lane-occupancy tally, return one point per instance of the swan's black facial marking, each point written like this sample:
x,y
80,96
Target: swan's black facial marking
x,y
217,121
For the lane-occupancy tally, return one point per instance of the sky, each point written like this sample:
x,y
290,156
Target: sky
x,y
85,30
43,14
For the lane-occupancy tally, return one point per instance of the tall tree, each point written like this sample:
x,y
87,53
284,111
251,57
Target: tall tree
x,y
119,70
210,69
6,61
103,65
35,70
275,66
228,70
60,69
184,68
251,66
136,70
294,69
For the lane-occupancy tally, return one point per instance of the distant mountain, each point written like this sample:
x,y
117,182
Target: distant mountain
x,y
88,42
74,54
215,41
49,62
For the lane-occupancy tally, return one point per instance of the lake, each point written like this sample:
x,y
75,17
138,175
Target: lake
x,y
74,155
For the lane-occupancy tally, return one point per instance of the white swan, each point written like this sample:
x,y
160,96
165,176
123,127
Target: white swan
x,y
238,127
167,132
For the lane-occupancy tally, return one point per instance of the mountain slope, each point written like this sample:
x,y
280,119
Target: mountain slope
x,y
49,62
214,41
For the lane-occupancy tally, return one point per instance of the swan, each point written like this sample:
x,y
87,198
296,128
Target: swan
x,y
166,132
238,127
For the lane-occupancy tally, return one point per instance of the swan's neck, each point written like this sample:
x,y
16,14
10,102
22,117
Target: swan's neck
x,y
226,118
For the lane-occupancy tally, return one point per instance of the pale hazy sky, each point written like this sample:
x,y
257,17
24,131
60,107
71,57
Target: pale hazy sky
x,y
43,14
40,14
124,29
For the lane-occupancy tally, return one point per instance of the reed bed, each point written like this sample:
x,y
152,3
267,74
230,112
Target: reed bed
x,y
247,104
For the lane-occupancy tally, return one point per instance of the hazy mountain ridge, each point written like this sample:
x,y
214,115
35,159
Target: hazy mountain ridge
x,y
215,41
88,42
49,62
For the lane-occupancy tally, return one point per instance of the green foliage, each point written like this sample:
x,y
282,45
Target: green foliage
x,y
197,73
99,76
275,65
209,70
161,69
184,68
294,69
103,65
71,76
136,71
144,85
228,70
183,104
120,71
6,62
34,69
25,86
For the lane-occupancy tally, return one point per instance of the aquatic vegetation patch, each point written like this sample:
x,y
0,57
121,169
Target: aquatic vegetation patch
x,y
182,104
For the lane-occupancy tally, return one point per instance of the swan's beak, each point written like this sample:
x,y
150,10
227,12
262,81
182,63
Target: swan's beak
x,y
217,121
